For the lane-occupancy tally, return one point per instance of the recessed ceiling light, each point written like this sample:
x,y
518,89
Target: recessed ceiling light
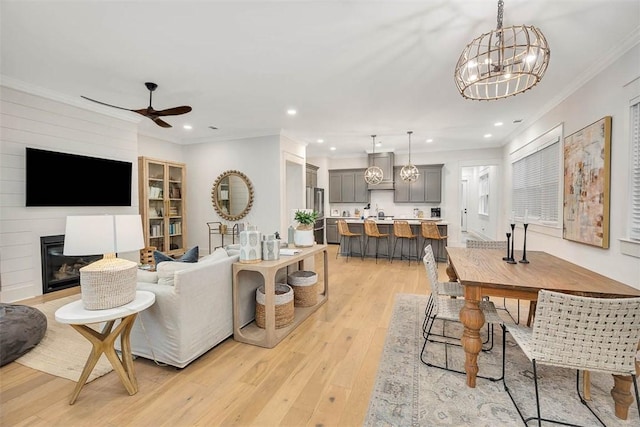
x,y
332,148
291,112
378,144
487,135
429,140
188,127
498,124
320,141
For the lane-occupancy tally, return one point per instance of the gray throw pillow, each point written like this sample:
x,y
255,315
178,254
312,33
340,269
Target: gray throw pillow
x,y
189,256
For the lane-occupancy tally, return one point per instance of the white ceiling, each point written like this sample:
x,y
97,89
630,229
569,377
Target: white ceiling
x,y
350,68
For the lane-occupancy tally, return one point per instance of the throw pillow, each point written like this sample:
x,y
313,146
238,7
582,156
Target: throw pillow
x,y
147,276
166,271
219,253
189,256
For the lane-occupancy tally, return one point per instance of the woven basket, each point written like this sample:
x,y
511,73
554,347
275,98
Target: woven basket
x,y
108,283
283,302
305,288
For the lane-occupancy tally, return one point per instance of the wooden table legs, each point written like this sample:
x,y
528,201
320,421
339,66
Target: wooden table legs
x,y
103,342
472,318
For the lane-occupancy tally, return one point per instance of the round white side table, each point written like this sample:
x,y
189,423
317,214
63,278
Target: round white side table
x,y
78,317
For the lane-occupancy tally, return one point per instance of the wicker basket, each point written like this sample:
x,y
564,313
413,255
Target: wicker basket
x,y
283,302
305,288
108,283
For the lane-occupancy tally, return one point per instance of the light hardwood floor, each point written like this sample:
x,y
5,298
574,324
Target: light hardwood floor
x,y
320,375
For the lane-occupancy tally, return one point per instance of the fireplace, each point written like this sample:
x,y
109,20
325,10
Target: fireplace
x,y
60,271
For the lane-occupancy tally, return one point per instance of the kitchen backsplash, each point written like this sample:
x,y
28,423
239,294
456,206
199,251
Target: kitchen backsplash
x,y
383,200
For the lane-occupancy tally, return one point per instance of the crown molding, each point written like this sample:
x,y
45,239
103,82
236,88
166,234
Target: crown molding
x,y
78,102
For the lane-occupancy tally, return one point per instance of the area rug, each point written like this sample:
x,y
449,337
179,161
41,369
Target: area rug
x,y
63,351
409,393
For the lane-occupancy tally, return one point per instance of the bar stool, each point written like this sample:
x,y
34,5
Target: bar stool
x,y
371,231
430,231
348,235
402,231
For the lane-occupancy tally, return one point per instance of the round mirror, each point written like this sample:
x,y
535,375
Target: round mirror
x,y
232,195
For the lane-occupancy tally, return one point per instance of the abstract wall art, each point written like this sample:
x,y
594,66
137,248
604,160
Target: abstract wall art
x,y
587,159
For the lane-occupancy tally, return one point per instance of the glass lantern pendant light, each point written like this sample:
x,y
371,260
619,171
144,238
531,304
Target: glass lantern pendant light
x,y
503,62
409,172
373,175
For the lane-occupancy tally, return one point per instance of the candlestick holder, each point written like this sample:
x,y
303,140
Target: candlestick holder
x,y
506,258
524,246
511,260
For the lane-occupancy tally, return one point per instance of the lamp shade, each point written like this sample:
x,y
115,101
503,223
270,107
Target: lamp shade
x,y
102,234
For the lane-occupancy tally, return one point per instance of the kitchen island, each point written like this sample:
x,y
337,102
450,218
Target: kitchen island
x,y
386,226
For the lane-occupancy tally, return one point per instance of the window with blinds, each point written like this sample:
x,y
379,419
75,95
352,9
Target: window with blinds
x,y
536,185
634,230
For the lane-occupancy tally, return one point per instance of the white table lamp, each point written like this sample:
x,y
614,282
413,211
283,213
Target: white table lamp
x,y
111,281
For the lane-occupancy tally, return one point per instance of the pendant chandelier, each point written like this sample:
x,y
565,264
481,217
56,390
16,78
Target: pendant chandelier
x,y
501,63
373,175
409,172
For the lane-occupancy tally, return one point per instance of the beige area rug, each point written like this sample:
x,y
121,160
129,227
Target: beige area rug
x,y
63,351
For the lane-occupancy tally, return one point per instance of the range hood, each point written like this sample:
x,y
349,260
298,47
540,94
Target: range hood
x,y
385,162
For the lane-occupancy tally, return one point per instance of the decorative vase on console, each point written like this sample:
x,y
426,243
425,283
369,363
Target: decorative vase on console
x,y
250,245
303,236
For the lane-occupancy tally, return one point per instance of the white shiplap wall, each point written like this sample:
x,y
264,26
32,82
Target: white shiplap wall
x,y
29,120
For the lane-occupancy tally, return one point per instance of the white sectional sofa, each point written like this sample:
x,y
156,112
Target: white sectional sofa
x,y
194,313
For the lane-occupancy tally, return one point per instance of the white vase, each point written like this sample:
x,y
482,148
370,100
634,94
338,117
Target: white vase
x,y
303,238
250,245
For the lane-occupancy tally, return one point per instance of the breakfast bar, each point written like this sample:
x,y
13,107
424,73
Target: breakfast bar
x,y
385,225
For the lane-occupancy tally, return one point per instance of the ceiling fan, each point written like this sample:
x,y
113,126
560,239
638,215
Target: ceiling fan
x,y
150,112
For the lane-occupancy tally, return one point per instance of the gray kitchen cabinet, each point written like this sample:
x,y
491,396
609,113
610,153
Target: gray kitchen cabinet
x,y
426,189
347,186
331,228
311,172
385,162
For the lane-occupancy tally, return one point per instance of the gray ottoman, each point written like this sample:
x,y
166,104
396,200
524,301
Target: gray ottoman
x,y
21,328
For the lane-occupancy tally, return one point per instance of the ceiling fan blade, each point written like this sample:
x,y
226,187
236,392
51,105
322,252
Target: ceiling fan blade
x,y
104,103
176,111
161,122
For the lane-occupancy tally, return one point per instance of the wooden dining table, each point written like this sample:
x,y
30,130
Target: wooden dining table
x,y
482,272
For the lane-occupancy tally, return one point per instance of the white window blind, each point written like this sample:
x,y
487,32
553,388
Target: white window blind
x,y
634,232
483,202
536,181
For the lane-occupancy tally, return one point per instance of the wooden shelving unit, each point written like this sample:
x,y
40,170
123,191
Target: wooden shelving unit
x,y
161,192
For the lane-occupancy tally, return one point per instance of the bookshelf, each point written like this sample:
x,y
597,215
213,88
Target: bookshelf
x,y
161,189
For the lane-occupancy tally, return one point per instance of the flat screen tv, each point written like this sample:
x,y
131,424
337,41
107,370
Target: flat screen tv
x,y
63,179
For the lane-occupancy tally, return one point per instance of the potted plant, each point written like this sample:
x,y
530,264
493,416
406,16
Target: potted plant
x,y
303,235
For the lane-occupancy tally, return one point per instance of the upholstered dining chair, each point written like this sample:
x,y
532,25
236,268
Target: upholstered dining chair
x,y
346,236
401,232
371,231
446,309
430,231
581,333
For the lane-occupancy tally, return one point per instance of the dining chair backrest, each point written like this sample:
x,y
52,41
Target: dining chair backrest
x,y
402,229
596,334
430,230
429,262
487,244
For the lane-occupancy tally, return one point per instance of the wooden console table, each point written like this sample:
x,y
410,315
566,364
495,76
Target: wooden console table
x,y
269,337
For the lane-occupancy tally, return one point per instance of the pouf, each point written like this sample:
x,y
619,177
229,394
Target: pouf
x,y
21,328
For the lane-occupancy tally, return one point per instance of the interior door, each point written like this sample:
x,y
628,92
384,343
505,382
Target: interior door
x,y
463,204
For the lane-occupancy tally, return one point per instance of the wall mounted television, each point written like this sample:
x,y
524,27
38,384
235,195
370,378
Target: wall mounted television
x,y
63,179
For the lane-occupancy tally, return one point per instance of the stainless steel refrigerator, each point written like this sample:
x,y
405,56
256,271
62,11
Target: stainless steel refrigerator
x,y
315,201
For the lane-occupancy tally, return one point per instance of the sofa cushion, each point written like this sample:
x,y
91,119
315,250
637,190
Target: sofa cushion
x,y
147,276
166,269
219,253
189,256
